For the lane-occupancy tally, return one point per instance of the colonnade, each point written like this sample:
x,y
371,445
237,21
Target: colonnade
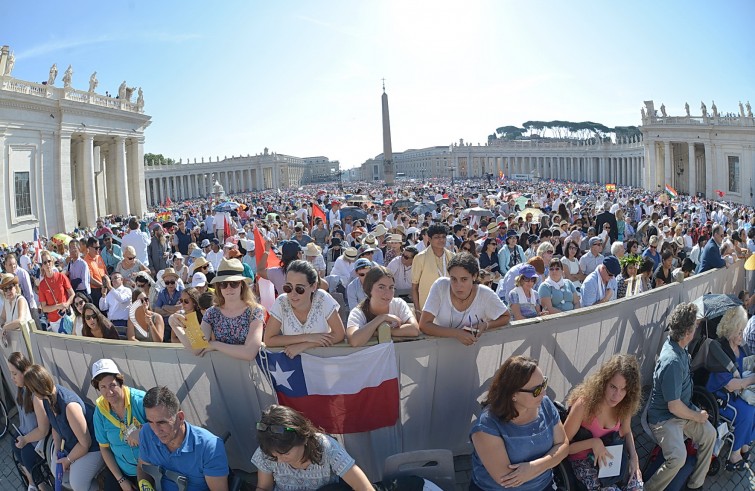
x,y
179,185
106,176
624,170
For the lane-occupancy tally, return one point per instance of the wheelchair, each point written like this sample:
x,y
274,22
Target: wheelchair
x,y
40,472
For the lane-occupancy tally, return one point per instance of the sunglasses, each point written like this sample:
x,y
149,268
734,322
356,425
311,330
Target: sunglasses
x,y
298,289
49,261
226,284
186,301
90,317
538,389
529,279
170,282
407,258
79,302
206,266
8,288
130,258
277,429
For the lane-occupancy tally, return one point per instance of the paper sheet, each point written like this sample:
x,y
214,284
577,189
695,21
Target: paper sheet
x,y
613,466
194,332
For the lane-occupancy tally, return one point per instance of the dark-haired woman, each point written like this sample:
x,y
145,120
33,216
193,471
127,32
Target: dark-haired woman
x,y
519,437
143,324
96,325
77,308
380,307
290,252
603,404
458,307
304,316
32,422
489,257
71,427
469,246
293,455
190,303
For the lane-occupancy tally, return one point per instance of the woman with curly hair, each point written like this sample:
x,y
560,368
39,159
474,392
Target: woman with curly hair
x,y
603,404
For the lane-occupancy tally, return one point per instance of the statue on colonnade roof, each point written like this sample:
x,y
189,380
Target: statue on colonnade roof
x,y
93,82
67,77
686,108
53,74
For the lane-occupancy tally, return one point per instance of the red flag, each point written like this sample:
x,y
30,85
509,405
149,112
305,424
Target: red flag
x,y
318,213
226,227
259,250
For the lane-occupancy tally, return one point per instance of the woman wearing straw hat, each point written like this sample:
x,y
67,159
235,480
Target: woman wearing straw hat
x,y
234,325
313,254
15,308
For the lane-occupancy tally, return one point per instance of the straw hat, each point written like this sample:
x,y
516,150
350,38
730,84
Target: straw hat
x,y
350,253
380,230
7,279
230,270
169,272
198,263
395,238
312,250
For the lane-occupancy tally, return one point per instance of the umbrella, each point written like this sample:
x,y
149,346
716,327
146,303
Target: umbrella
x,y
62,238
227,206
387,201
442,202
713,305
521,201
423,208
479,212
59,468
404,203
321,192
536,212
353,212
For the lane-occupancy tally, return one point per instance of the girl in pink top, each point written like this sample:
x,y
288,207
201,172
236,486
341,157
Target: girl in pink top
x,y
604,403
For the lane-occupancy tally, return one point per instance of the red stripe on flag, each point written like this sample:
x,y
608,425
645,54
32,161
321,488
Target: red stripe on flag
x,y
259,250
317,212
369,409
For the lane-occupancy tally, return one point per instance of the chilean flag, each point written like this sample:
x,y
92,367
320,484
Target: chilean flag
x,y
341,394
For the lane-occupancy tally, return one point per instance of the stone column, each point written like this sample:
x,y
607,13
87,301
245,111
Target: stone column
x,y
666,164
692,169
88,191
122,176
135,164
709,171
650,166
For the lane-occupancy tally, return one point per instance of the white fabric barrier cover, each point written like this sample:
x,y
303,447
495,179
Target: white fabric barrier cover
x,y
441,381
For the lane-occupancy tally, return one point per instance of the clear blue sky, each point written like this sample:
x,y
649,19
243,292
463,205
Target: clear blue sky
x,y
303,77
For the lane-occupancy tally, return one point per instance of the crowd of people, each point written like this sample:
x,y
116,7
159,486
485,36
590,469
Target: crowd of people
x,y
435,259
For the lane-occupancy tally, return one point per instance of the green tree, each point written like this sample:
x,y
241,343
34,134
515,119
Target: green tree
x,y
157,159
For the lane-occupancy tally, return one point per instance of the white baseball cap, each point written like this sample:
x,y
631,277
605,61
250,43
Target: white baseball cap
x,y
105,365
199,279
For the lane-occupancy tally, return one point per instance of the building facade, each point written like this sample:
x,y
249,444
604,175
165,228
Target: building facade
x,y
68,155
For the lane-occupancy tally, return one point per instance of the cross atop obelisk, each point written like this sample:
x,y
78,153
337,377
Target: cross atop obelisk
x,y
388,174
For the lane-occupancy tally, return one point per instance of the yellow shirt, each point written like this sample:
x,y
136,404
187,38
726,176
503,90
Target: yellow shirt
x,y
426,268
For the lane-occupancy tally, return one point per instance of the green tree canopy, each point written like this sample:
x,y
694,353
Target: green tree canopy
x,y
157,159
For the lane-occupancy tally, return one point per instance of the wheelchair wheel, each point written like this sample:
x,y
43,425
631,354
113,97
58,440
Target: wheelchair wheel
x,y
561,478
3,419
19,469
715,466
707,401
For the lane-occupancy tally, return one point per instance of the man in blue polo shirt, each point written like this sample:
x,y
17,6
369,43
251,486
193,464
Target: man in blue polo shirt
x,y
600,286
671,414
172,443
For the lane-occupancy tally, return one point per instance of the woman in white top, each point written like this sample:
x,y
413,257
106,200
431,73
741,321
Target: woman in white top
x,y
303,316
380,307
15,308
457,307
571,263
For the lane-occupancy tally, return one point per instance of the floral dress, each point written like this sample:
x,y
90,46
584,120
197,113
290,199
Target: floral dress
x,y
232,330
323,305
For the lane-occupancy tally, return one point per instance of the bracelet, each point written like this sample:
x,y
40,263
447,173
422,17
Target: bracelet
x,y
123,478
69,460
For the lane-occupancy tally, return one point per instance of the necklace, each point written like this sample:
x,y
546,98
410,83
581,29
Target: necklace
x,y
456,325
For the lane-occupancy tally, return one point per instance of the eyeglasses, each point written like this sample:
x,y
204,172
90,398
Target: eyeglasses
x,y
538,389
298,289
407,258
49,261
130,258
90,317
226,284
8,288
170,283
206,266
186,301
277,429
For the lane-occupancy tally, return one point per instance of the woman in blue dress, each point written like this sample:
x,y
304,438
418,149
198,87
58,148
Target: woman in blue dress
x,y
728,386
519,437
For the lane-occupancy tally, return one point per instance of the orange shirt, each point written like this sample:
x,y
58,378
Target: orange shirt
x,y
96,267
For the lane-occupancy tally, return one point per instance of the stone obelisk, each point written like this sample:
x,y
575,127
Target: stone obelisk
x,y
388,174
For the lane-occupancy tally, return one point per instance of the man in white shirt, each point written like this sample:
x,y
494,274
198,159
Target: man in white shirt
x,y
401,268
116,300
344,265
215,255
138,240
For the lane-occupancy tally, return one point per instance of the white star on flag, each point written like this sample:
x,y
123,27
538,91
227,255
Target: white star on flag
x,y
281,377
